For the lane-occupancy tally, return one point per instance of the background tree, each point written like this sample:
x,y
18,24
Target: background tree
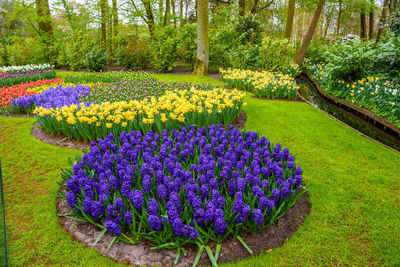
x,y
307,39
289,19
103,20
44,21
201,65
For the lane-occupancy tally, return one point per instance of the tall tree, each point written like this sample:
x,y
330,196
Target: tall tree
x,y
308,37
181,12
371,21
289,19
103,20
242,7
363,24
43,12
382,22
149,16
201,65
115,17
173,12
339,19
167,12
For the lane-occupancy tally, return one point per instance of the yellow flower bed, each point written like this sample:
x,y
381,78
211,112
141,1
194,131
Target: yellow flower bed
x,y
263,84
172,110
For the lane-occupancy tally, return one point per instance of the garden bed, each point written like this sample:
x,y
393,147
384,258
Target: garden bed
x,y
379,124
270,238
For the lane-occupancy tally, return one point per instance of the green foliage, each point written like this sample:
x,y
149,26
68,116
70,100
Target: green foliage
x,y
244,57
164,48
395,27
24,51
248,30
134,55
95,59
187,45
357,59
276,55
72,50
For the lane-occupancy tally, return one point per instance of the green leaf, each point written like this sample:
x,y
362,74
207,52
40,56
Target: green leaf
x,y
177,256
112,242
98,238
244,244
211,256
199,252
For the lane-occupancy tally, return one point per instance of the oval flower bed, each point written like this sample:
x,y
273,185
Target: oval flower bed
x,y
192,186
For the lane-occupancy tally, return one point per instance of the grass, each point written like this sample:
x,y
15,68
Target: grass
x,y
355,193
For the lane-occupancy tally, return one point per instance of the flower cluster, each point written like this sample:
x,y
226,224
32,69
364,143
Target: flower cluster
x,y
183,186
108,77
26,68
263,84
54,97
379,96
135,90
21,74
172,110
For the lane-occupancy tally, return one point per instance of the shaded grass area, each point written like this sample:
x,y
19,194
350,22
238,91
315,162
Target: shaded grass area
x,y
355,192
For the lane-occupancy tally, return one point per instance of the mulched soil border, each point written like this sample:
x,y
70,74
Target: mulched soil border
x,y
231,250
56,140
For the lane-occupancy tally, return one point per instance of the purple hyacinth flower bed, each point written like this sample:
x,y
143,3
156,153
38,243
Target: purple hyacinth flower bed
x,y
187,186
54,97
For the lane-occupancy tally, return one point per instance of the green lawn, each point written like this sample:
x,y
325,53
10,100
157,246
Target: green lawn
x,y
355,192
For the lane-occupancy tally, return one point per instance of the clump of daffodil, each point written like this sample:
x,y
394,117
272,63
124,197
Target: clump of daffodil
x,y
263,84
176,108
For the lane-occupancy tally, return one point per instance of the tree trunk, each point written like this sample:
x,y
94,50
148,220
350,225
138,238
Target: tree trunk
x,y
242,7
328,23
149,16
201,66
160,10
43,12
307,39
181,12
363,25
186,8
173,12
289,19
339,18
103,21
115,17
382,22
371,22
166,16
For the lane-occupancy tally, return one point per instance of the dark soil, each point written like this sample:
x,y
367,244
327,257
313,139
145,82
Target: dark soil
x,y
231,250
239,122
298,99
56,140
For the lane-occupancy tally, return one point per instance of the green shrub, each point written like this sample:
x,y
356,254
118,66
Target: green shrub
x,y
187,45
245,57
24,51
164,48
134,55
276,55
95,59
72,51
